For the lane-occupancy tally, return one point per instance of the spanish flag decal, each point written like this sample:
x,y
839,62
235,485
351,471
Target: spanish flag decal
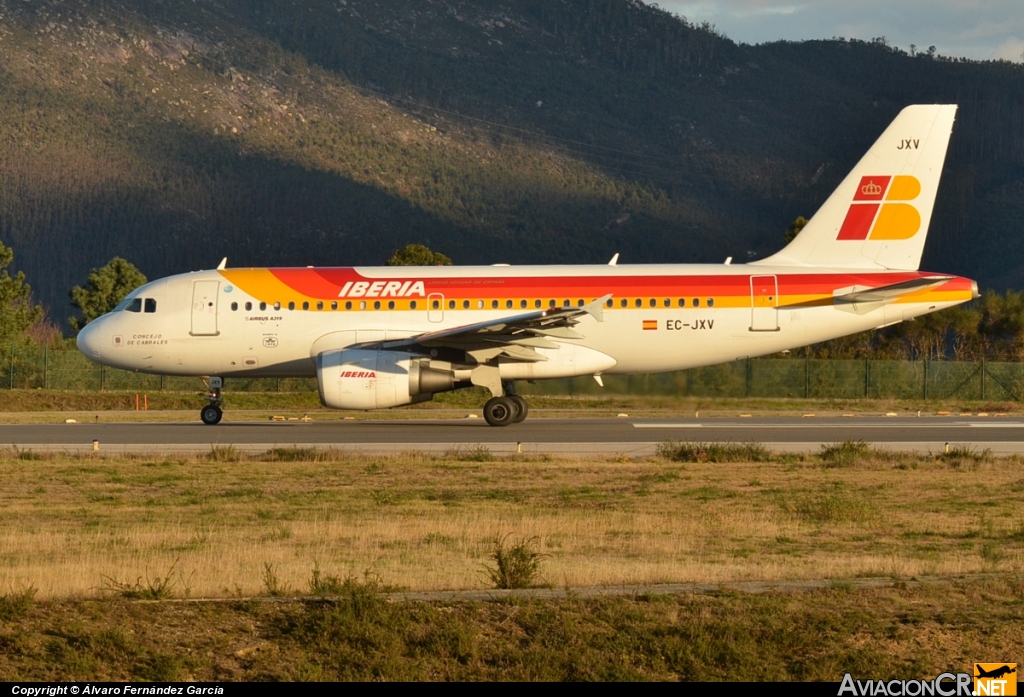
x,y
650,324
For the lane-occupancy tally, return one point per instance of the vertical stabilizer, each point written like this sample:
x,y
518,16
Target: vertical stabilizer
x,y
878,217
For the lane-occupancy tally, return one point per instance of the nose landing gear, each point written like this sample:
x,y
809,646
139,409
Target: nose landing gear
x,y
212,413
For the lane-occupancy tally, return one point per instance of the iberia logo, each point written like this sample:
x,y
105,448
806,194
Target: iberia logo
x,y
357,374
995,679
878,211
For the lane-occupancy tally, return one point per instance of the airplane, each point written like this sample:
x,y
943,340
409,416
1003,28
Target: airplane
x,y
381,337
995,672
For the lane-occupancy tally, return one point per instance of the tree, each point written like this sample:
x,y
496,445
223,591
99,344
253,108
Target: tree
x,y
418,255
104,289
17,312
794,229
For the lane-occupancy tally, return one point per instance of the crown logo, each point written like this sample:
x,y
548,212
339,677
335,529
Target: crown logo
x,y
871,189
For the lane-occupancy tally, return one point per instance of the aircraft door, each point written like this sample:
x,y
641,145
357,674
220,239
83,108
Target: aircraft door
x,y
764,304
435,307
204,308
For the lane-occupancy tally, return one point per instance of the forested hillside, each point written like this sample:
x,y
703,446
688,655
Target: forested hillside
x,y
175,132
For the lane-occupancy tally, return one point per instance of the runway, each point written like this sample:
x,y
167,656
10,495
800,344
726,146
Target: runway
x,y
1002,436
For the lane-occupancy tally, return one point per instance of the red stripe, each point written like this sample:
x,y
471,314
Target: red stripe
x,y
858,221
326,283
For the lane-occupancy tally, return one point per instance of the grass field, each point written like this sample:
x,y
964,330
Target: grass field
x,y
28,406
882,633
224,523
86,541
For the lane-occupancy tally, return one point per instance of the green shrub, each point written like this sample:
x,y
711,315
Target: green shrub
x,y
844,454
694,451
515,565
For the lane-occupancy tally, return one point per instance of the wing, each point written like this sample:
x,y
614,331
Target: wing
x,y
514,337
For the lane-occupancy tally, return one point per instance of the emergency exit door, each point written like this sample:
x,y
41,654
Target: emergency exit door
x,y
204,308
764,304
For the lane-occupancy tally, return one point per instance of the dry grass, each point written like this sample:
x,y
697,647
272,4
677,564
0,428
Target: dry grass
x,y
212,526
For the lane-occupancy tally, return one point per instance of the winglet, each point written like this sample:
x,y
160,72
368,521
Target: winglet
x,y
223,264
596,308
615,260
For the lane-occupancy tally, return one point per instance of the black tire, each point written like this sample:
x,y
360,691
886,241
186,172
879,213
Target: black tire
x,y
500,411
522,408
211,414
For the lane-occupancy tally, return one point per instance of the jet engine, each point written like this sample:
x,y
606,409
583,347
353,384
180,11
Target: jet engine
x,y
368,379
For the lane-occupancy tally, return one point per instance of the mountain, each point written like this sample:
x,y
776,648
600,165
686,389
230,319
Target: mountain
x,y
331,132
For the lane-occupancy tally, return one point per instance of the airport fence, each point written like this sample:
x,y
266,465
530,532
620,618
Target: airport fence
x,y
68,369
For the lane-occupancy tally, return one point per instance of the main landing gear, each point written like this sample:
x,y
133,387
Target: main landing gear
x,y
211,414
508,409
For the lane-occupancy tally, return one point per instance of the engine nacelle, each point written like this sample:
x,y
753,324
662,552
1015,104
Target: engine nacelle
x,y
366,379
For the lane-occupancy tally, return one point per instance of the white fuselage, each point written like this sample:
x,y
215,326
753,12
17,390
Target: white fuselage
x,y
675,316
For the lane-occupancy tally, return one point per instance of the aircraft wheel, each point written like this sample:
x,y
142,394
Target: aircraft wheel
x,y
522,408
500,411
211,415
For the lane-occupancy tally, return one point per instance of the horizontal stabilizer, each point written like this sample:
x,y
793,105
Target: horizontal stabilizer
x,y
893,291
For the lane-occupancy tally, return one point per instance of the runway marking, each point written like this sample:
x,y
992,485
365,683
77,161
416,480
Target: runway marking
x,y
999,425
846,425
668,425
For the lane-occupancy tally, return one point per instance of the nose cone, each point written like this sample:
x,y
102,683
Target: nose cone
x,y
89,340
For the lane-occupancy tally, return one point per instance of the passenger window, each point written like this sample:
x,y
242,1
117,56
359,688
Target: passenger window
x,y
362,304
479,304
305,305
263,306
319,304
277,305
135,305
494,304
151,305
451,304
711,302
334,304
579,303
465,304
610,302
522,304
551,303
348,304
248,307
436,304
668,303
565,303
682,302
653,303
391,304
639,302
508,304
696,302
234,306
291,305
412,305
624,302
376,304
536,303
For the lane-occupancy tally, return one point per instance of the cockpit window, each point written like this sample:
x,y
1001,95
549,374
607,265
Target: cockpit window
x,y
123,305
150,305
135,305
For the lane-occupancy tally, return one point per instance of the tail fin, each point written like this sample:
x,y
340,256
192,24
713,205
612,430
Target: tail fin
x,y
878,217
